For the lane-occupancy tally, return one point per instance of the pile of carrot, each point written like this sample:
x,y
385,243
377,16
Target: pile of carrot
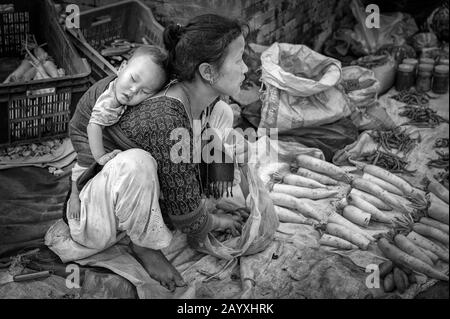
x,y
36,65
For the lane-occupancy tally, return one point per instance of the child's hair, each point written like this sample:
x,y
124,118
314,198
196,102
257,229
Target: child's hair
x,y
203,40
159,55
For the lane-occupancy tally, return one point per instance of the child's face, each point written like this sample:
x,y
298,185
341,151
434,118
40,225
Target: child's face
x,y
138,80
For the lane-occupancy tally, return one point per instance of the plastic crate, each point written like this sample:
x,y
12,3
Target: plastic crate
x,y
34,110
130,20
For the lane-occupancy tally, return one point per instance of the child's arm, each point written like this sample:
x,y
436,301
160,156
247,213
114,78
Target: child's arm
x,y
95,135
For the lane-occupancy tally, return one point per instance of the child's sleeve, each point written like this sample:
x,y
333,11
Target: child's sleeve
x,y
107,111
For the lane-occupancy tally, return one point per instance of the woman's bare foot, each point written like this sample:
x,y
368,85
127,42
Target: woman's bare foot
x,y
158,267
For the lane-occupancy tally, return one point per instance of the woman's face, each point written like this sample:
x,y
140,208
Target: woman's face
x,y
232,72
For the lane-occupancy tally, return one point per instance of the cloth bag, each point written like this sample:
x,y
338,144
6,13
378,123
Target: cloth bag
x,y
300,88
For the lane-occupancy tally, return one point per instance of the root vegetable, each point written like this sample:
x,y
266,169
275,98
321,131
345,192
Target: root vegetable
x,y
333,241
302,206
431,232
411,249
323,167
388,283
438,209
356,215
340,220
365,206
40,54
323,179
438,189
400,279
389,177
288,216
434,258
29,75
377,191
303,192
435,224
385,268
266,171
51,69
383,184
400,257
347,234
297,180
427,244
375,201
18,73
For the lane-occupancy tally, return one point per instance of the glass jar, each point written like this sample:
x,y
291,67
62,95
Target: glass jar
x,y
405,77
424,75
413,62
440,79
426,61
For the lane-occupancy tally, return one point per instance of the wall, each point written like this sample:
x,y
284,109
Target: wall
x,y
295,21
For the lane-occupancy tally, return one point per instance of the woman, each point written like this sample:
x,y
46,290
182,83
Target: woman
x,y
141,184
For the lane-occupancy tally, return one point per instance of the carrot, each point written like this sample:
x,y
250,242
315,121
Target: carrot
x,y
50,68
335,218
427,244
377,191
410,248
297,180
323,179
288,216
333,241
367,207
378,203
401,258
438,209
438,189
356,215
431,232
323,167
302,206
383,184
435,224
303,192
347,234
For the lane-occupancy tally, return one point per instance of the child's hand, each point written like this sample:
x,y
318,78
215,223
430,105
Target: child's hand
x,y
107,157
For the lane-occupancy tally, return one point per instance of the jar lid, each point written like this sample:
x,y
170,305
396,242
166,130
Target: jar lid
x,y
426,61
410,61
426,67
406,67
442,69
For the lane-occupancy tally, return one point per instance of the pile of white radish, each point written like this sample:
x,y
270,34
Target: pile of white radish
x,y
36,65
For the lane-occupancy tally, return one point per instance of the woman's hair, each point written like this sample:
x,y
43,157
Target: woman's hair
x,y
203,40
158,55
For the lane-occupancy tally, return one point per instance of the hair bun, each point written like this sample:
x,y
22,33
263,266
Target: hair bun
x,y
172,35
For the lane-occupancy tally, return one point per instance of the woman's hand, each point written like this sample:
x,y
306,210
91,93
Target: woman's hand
x,y
74,207
227,222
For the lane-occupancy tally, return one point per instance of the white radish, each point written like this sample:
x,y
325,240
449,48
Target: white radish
x,y
336,218
323,167
383,184
427,244
289,216
375,201
297,180
302,206
356,215
303,192
438,209
323,179
266,171
364,205
336,242
377,191
349,235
